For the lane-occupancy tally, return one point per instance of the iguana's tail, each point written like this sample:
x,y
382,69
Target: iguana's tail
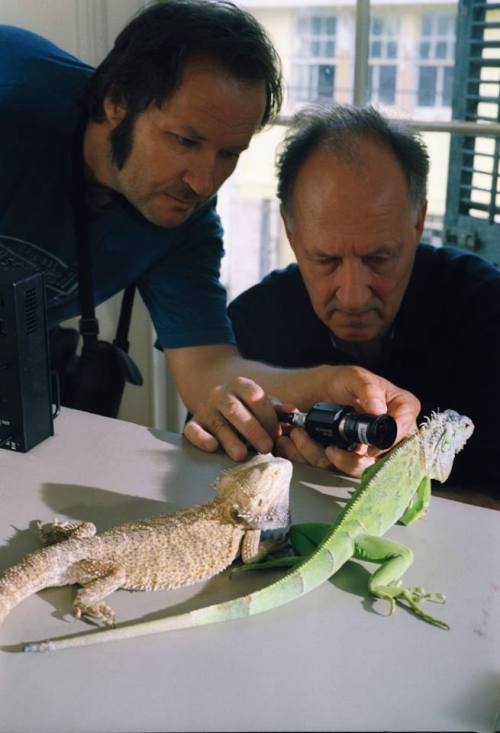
x,y
307,576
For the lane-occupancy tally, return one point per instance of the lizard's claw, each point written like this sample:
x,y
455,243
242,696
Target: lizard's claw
x,y
419,594
411,597
99,611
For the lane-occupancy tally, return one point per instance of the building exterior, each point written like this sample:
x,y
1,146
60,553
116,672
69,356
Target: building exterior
x,y
411,64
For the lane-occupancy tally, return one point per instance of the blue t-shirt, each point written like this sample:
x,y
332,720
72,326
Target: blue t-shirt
x,y
42,107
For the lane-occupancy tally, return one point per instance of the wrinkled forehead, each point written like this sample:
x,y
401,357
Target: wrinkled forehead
x,y
362,168
334,202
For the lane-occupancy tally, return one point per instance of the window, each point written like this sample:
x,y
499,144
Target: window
x,y
313,72
436,57
382,70
316,42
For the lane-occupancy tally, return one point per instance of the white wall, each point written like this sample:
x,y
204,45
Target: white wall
x,y
41,16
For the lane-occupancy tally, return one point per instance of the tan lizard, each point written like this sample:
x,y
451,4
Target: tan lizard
x,y
163,552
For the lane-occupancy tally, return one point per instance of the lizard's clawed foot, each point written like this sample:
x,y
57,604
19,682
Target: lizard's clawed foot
x,y
419,594
411,597
99,611
57,531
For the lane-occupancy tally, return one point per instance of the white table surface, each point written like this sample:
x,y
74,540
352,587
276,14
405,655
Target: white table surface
x,y
329,661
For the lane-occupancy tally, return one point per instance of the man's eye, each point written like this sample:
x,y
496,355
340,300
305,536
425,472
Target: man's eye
x,y
329,264
230,154
377,263
185,142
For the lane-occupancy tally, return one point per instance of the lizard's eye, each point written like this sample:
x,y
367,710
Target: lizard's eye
x,y
234,512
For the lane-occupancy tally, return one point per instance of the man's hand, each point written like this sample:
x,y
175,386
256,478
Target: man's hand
x,y
366,392
241,411
300,448
234,413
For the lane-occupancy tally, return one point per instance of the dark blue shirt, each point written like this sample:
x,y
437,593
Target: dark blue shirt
x,y
444,345
42,107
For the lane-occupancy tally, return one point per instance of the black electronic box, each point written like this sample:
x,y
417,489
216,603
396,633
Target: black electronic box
x,y
25,382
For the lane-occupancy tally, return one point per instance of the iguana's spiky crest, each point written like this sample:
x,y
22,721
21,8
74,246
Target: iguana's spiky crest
x,y
441,437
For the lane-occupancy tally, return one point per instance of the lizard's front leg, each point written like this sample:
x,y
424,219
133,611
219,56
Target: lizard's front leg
x,y
253,548
419,504
304,539
385,582
99,579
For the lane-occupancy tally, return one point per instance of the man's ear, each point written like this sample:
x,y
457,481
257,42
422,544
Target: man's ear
x,y
114,111
419,226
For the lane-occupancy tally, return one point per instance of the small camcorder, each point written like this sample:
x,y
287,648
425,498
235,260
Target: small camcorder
x,y
342,426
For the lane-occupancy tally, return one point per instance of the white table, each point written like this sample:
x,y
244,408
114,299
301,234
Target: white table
x,y
329,661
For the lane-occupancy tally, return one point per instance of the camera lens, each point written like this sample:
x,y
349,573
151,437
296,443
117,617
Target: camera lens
x,y
382,431
377,430
340,425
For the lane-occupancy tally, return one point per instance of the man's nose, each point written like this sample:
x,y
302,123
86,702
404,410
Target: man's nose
x,y
201,176
353,287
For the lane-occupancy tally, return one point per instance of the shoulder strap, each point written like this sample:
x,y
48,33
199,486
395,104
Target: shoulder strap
x,y
121,338
89,324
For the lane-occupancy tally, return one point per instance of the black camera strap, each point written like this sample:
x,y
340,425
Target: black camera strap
x,y
89,324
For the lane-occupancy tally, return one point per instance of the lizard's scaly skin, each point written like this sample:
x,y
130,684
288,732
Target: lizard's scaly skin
x,y
384,496
163,552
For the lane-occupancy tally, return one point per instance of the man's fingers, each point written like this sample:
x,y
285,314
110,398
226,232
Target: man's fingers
x,y
235,413
357,386
280,406
404,408
349,462
313,452
199,437
250,413
376,395
218,434
258,403
285,448
362,449
371,396
300,448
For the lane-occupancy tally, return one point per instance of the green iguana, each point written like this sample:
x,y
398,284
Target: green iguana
x,y
396,488
163,552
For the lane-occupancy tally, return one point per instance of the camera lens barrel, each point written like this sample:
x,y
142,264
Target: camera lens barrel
x,y
377,430
340,425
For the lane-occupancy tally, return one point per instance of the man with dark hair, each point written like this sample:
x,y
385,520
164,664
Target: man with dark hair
x,y
141,145
352,187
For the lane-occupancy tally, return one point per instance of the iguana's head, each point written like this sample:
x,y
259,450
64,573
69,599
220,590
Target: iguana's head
x,y
255,494
442,436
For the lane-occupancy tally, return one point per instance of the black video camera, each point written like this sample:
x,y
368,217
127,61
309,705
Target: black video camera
x,y
342,426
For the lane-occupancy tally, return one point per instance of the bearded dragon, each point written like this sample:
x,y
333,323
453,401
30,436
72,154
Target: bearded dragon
x,y
397,487
163,552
